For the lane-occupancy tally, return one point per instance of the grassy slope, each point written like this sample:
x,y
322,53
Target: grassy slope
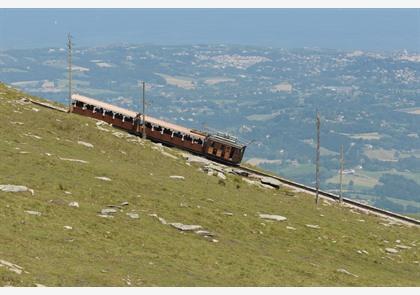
x,y
142,251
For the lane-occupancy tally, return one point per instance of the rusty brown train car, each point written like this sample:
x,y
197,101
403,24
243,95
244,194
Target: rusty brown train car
x,y
217,147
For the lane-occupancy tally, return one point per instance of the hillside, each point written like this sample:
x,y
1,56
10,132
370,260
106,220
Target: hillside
x,y
65,158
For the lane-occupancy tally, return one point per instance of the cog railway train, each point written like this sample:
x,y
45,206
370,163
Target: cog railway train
x,y
218,147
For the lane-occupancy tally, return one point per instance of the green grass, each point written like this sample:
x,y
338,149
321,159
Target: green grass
x,y
144,252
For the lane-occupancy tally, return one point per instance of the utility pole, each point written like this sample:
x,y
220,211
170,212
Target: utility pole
x,y
138,116
144,112
318,125
69,48
341,172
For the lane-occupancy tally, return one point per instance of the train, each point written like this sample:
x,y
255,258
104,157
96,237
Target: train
x,y
214,146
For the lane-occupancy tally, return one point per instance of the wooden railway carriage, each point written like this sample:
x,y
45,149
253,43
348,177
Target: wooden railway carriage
x,y
217,147
223,148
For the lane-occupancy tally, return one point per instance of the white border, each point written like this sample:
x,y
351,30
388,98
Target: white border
x,y
210,4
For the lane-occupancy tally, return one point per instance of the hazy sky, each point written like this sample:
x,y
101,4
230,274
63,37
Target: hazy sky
x,y
368,29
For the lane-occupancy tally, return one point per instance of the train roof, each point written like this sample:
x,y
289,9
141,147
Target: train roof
x,y
128,113
103,105
227,140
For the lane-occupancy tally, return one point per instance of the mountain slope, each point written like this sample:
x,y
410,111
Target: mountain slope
x,y
37,148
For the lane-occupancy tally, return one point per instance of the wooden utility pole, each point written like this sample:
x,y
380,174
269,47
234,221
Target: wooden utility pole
x,y
341,172
138,116
144,112
69,48
318,125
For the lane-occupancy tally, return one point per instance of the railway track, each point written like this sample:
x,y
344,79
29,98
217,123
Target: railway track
x,y
327,195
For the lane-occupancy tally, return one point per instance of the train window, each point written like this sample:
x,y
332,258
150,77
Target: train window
x,y
232,151
215,148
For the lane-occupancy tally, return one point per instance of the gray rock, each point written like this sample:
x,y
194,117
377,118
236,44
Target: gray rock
x,y
74,160
86,144
161,220
271,181
266,186
124,203
214,167
391,250
204,233
403,247
11,266
9,188
255,176
103,178
118,134
33,212
74,204
240,172
342,270
68,227
221,175
315,226
228,213
177,177
253,182
102,129
108,211
273,217
16,123
195,159
133,215
185,227
290,227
